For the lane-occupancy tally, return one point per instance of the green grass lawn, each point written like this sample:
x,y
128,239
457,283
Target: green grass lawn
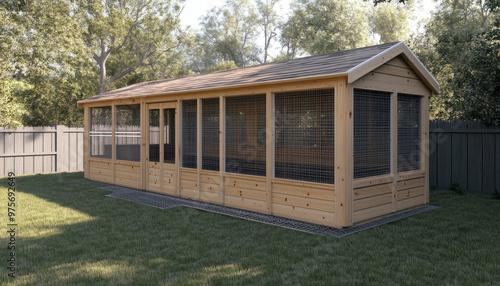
x,y
69,233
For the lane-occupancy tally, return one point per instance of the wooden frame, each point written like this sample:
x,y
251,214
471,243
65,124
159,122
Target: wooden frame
x,y
348,201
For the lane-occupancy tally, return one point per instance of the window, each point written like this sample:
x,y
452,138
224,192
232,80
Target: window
x,y
304,136
372,133
408,132
210,134
246,135
100,132
189,129
128,133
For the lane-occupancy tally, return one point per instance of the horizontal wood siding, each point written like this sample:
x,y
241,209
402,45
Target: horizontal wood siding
x,y
189,184
245,192
313,203
372,199
410,190
394,76
210,187
128,174
101,170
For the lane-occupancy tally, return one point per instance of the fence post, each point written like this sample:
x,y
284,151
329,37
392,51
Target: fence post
x,y
59,148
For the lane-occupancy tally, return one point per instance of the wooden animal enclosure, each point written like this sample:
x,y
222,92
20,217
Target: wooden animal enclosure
x,y
333,139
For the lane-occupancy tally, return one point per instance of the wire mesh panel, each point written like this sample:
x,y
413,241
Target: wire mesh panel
x,y
128,132
409,126
210,134
169,135
245,135
154,135
188,135
100,132
304,136
372,133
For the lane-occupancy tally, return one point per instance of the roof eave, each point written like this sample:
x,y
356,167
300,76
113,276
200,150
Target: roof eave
x,y
398,49
81,103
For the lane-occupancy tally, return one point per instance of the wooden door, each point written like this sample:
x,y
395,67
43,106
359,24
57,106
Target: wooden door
x,y
161,151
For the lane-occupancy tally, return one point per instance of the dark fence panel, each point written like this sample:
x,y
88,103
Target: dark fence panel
x,y
464,152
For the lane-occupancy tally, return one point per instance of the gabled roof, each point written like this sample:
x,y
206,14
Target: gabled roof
x,y
352,63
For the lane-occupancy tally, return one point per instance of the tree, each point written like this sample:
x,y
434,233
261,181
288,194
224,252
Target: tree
x,y
454,48
326,26
268,20
44,53
11,110
390,20
229,34
132,33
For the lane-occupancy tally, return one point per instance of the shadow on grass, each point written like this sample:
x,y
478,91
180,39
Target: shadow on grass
x,y
71,234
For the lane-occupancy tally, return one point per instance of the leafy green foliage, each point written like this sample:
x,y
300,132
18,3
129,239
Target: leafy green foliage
x,y
460,50
325,26
126,36
11,110
390,20
229,33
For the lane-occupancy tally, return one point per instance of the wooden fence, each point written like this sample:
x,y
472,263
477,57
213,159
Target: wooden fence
x,y
33,150
467,153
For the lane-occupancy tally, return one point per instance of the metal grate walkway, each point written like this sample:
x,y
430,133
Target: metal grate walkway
x,y
166,202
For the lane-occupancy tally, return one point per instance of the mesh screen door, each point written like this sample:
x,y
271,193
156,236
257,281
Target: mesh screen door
x,y
210,134
245,135
188,140
304,136
409,139
372,133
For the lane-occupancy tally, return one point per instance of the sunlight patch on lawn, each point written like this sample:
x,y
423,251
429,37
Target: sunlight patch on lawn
x,y
223,271
105,269
41,218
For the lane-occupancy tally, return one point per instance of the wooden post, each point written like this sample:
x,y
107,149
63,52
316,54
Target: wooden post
x,y
161,148
344,114
144,135
113,140
178,115
424,155
198,144
394,149
222,152
86,142
269,148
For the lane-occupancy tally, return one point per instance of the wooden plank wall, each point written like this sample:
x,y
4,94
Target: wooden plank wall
x,y
33,150
464,152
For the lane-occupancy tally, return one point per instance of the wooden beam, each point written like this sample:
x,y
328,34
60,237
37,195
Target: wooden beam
x,y
178,146
424,147
222,161
198,143
394,148
269,148
343,153
86,140
113,140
